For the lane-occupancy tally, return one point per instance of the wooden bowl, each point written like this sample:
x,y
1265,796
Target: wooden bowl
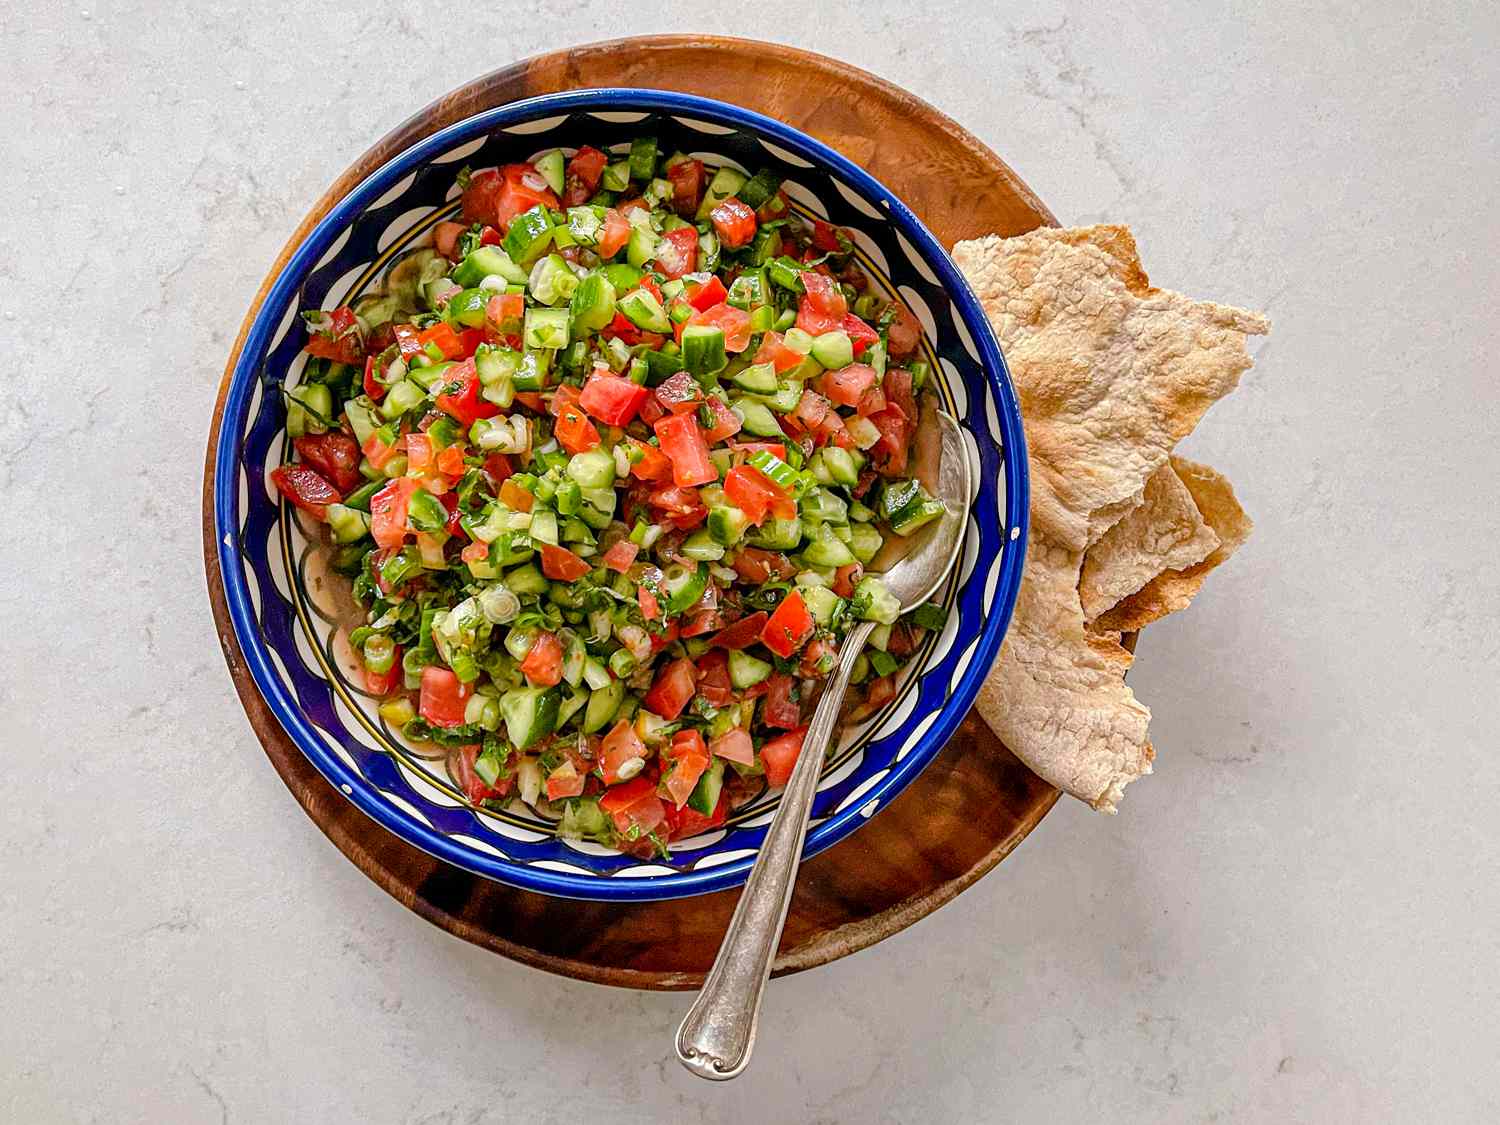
x,y
971,805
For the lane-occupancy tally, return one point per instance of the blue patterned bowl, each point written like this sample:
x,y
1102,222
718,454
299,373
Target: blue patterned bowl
x,y
286,608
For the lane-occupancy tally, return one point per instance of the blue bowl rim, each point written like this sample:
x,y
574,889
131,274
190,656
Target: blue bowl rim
x,y
235,417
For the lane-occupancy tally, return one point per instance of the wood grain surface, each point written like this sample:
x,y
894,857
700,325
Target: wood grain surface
x,y
960,817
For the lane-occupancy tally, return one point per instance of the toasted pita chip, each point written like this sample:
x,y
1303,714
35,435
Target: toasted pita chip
x,y
1057,695
1110,373
1173,590
1165,533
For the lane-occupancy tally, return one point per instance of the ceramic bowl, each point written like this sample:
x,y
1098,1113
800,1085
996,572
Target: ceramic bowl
x,y
286,609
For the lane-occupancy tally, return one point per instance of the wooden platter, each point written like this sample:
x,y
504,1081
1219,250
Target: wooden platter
x,y
967,810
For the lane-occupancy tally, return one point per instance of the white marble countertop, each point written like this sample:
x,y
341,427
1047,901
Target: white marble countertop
x,y
1294,920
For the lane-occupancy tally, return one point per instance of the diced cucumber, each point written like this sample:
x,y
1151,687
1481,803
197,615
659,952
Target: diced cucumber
x,y
530,232
643,310
745,671
758,379
550,165
701,545
880,638
487,261
570,705
530,714
593,304
532,374
494,363
546,328
525,580
865,541
551,282
777,535
826,549
798,341
705,795
786,399
750,290
360,498
585,225
727,524
766,246
583,819
822,603
822,506
759,189
361,418
622,275
544,526
592,469
348,525
833,349
726,181
616,176
643,158
873,602
709,250
703,349
642,246
758,419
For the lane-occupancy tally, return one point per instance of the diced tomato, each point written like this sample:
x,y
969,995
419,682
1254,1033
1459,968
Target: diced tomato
x,y
620,745
444,338
891,450
445,238
305,488
823,307
871,402
818,658
679,393
454,526
335,455
584,173
420,463
408,340
563,782
461,762
688,821
847,385
825,237
622,330
774,351
504,313
388,512
574,431
675,685
523,189
619,557
480,196
470,339
734,222
751,491
443,697
726,422
845,578
781,708
878,692
682,441
904,333
713,678
498,468
860,334
812,408
533,401
744,450
689,760
634,808
514,497
383,683
561,564
650,607
756,565
677,252
774,208
450,461
653,463
743,633
702,621
339,340
615,235
489,236
706,294
464,405
543,664
374,372
735,324
681,507
611,399
734,746
789,627
686,177
779,755
476,552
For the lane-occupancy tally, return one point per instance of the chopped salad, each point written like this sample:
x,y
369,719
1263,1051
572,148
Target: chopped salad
x,y
606,465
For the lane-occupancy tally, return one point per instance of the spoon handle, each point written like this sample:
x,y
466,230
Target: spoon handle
x,y
718,1033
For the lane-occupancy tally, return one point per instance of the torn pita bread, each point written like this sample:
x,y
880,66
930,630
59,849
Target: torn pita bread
x,y
1173,589
1057,695
1166,532
1111,373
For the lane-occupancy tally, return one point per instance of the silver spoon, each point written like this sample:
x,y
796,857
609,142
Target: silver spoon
x,y
717,1035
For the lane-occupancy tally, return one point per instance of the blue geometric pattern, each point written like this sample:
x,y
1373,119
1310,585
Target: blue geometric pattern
x,y
282,612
